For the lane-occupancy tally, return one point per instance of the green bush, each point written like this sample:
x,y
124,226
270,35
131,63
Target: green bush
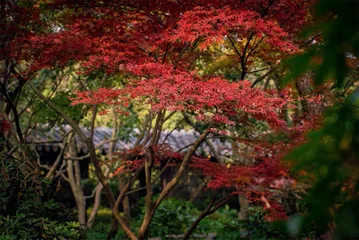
x,y
26,213
4,236
175,216
226,225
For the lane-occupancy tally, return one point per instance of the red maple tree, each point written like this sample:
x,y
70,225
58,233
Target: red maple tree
x,y
157,45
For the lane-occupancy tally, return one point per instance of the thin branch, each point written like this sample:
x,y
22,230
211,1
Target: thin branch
x,y
153,182
94,111
212,207
259,70
165,54
58,159
182,168
263,76
97,201
175,65
209,144
27,106
310,40
235,48
254,47
143,132
58,172
169,116
156,128
164,140
70,121
123,194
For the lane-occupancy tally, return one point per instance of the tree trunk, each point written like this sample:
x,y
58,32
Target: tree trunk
x,y
96,205
151,206
243,214
81,204
243,202
304,87
74,178
126,201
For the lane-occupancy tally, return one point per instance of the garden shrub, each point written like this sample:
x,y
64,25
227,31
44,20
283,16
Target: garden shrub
x,y
26,212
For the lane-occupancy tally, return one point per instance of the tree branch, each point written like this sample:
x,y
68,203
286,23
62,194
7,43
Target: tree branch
x,y
263,76
212,207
